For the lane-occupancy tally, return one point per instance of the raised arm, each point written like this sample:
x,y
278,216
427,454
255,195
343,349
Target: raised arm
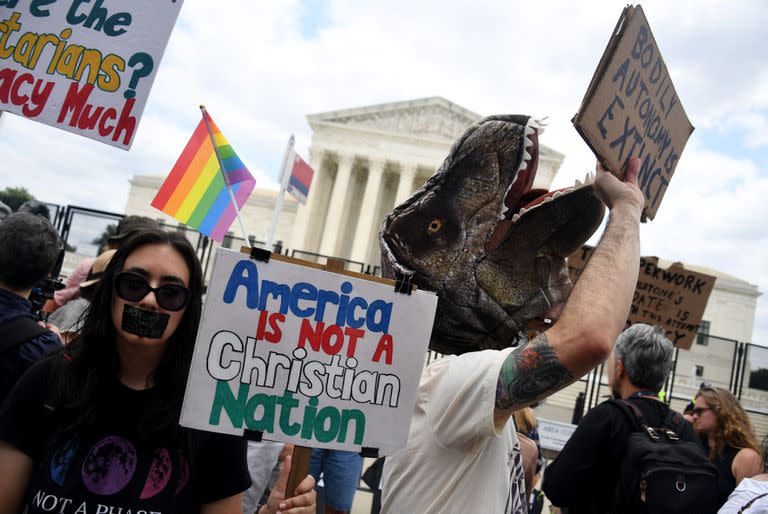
x,y
595,312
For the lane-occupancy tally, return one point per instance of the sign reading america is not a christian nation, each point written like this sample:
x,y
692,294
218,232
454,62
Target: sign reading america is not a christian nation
x,y
81,66
307,356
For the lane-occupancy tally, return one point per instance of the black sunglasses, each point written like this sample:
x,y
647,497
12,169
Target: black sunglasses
x,y
132,287
698,410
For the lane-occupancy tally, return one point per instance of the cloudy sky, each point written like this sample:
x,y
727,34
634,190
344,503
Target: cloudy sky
x,y
261,66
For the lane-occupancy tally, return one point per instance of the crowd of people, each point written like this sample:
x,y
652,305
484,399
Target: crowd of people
x,y
90,408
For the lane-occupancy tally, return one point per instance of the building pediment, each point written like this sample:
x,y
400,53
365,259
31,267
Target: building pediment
x,y
433,117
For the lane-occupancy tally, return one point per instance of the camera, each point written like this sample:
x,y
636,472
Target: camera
x,y
45,288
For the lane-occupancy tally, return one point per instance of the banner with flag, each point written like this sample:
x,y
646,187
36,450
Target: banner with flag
x,y
300,179
195,192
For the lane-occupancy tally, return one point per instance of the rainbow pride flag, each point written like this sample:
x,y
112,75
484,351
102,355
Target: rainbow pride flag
x,y
195,193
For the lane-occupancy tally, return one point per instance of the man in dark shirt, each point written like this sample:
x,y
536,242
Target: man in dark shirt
x,y
584,476
29,247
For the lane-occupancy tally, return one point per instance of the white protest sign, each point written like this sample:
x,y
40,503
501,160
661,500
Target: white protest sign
x,y
553,434
307,356
83,66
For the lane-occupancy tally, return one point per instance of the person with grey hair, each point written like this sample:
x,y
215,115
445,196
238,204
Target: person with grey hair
x,y
585,476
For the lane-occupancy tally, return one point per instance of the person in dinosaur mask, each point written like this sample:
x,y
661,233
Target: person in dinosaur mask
x,y
493,249
95,427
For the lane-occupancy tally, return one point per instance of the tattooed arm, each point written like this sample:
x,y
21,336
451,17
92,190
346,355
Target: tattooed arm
x,y
595,312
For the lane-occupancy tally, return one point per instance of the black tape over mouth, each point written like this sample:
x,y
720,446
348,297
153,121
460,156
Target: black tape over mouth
x,y
144,323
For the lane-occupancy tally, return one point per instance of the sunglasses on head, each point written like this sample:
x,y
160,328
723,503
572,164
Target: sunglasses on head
x,y
132,287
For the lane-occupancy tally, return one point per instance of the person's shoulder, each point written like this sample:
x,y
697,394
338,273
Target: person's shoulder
x,y
40,371
606,414
747,457
608,408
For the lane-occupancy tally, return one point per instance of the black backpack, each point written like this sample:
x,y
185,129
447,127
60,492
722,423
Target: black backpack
x,y
662,474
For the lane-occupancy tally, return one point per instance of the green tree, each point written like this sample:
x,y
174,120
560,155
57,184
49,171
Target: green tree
x,y
101,241
13,197
758,379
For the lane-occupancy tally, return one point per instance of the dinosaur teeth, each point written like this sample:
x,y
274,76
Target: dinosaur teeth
x,y
529,131
589,179
515,218
578,184
523,166
527,142
526,155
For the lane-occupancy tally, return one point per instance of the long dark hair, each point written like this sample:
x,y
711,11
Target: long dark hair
x,y
88,368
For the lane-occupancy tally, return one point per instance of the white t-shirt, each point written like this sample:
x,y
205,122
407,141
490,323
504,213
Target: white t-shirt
x,y
455,459
747,490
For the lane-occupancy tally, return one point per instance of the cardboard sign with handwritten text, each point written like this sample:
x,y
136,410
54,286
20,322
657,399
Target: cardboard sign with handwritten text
x,y
674,298
631,109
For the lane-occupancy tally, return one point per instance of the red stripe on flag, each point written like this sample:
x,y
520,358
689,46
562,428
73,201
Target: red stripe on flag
x,y
179,169
302,171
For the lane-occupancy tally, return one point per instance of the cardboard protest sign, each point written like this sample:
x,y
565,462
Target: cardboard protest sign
x,y
81,66
673,298
307,356
631,109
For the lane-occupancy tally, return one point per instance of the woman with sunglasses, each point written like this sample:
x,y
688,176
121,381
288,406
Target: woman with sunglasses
x,y
95,428
728,437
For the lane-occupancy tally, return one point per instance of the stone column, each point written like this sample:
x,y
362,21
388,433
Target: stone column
x,y
367,226
306,213
336,205
405,185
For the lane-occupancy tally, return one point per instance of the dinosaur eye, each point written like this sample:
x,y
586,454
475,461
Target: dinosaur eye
x,y
435,225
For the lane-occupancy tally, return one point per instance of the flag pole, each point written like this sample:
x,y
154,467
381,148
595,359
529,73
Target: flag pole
x,y
284,177
224,175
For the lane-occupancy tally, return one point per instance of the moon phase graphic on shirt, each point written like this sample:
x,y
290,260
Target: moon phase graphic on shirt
x,y
62,459
159,474
109,466
183,472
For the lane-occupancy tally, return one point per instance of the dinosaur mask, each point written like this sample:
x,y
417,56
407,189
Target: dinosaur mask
x,y
489,245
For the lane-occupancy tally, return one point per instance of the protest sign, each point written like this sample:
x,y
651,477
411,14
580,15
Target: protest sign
x,y
631,109
81,66
306,356
674,298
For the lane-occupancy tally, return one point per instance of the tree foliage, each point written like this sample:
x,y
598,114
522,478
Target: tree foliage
x,y
13,197
758,379
101,241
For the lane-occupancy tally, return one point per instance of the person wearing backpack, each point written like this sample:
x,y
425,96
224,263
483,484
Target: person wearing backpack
x,y
633,454
29,248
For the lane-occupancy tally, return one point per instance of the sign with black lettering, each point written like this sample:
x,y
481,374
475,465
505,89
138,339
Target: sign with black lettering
x,y
673,298
631,109
554,434
307,356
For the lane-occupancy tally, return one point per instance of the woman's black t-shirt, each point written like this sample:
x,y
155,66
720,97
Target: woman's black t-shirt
x,y
724,464
111,467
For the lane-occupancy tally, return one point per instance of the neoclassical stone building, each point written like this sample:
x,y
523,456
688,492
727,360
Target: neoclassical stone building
x,y
369,159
